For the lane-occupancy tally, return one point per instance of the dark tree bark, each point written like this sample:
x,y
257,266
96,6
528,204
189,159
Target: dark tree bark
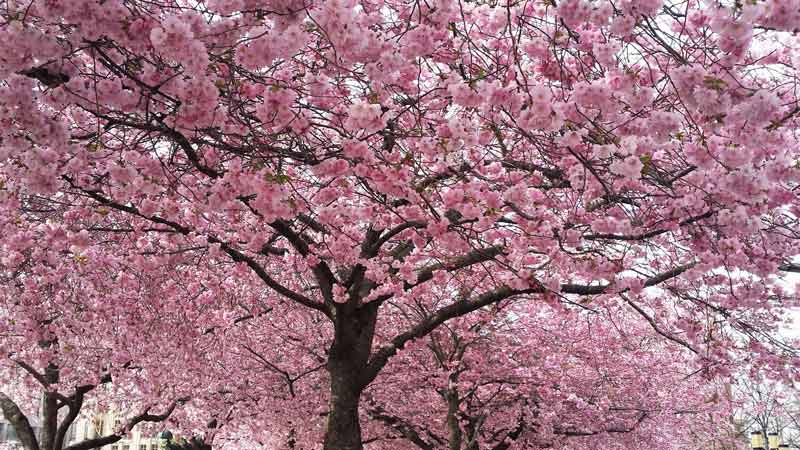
x,y
49,410
343,430
453,427
354,328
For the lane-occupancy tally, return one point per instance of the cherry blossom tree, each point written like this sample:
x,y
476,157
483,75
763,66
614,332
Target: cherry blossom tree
x,y
384,168
494,379
63,360
76,342
547,380
767,407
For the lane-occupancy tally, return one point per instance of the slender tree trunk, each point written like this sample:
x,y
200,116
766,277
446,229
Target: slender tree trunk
x,y
347,360
49,422
453,427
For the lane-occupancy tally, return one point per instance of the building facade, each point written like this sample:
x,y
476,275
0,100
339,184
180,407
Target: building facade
x,y
97,425
105,424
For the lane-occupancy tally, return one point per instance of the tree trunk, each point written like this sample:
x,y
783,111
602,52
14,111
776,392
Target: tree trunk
x,y
343,430
354,328
49,421
52,375
453,427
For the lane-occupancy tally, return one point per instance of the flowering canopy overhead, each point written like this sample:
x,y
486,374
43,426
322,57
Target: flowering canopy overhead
x,y
382,168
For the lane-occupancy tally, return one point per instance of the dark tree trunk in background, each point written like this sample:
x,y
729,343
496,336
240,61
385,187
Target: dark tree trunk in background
x,y
194,443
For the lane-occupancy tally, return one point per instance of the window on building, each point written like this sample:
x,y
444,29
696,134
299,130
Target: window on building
x,y
99,427
2,432
126,447
114,447
142,446
11,433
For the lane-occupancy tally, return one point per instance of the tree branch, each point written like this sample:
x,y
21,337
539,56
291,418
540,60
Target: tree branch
x,y
381,357
33,372
90,444
474,257
45,76
460,308
399,425
655,326
576,433
233,253
375,247
511,435
19,421
321,271
74,406
173,135
643,236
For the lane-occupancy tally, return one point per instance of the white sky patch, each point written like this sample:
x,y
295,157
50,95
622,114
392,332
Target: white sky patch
x,y
790,281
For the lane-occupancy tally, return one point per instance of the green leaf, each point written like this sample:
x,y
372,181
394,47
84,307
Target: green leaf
x,y
714,83
645,159
279,178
